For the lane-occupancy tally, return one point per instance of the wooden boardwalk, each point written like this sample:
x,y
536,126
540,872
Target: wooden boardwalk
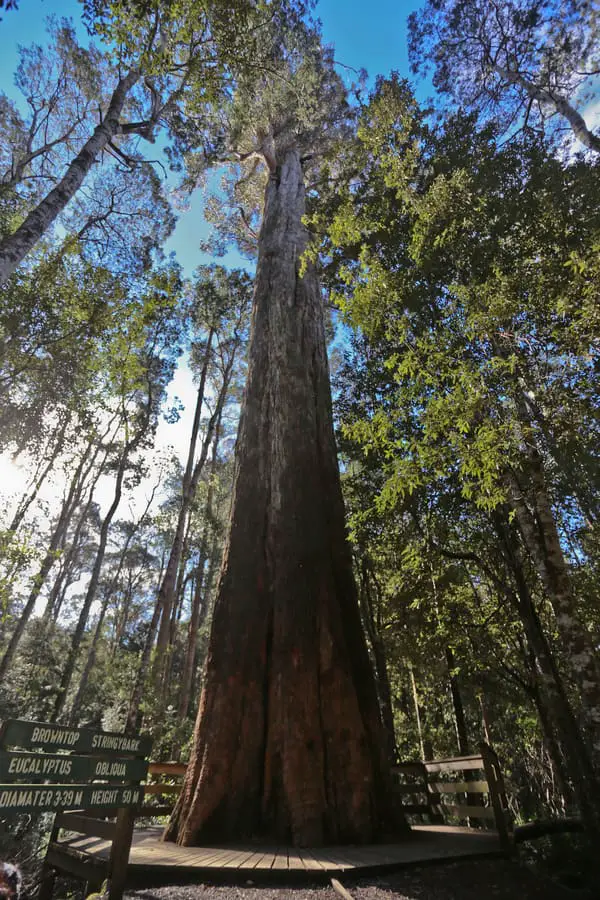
x,y
152,861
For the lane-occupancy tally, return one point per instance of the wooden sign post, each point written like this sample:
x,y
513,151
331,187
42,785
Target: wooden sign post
x,y
84,776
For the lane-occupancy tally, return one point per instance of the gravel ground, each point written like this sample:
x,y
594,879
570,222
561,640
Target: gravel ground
x,y
482,880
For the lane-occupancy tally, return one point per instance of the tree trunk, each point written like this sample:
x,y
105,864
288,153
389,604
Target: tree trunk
x,y
199,596
586,785
90,596
417,711
15,247
288,742
47,563
384,691
133,713
541,538
462,734
89,664
557,102
41,474
166,591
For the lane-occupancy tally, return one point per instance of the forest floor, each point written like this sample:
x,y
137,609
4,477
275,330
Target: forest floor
x,y
481,880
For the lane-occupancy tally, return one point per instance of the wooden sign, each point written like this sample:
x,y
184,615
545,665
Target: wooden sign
x,y
22,798
27,735
15,766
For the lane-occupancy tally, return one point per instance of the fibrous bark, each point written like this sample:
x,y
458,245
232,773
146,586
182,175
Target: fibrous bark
x,y
288,741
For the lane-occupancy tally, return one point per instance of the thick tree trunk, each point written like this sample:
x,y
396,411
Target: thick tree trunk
x,y
15,247
288,741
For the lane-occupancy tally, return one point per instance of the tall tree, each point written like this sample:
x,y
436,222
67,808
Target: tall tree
x,y
152,63
451,255
288,740
529,63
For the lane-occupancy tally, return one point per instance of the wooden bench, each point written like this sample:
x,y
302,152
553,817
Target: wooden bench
x,y
90,780
443,790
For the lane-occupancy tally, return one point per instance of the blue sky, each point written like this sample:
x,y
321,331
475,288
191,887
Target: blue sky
x,y
372,37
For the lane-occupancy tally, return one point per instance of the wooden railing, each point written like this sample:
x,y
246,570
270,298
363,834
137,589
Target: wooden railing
x,y
463,789
162,788
446,791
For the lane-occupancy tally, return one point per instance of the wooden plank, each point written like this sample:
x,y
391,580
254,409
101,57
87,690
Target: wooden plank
x,y
459,787
76,864
409,768
16,765
327,859
281,860
46,736
86,825
455,765
167,768
268,859
340,889
119,853
408,789
162,789
416,808
239,861
148,811
61,797
309,862
228,858
469,812
295,862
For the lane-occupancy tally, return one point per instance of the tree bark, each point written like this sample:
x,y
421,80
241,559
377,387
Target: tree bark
x,y
15,247
198,607
166,591
90,596
47,563
559,103
460,721
540,536
382,678
586,785
288,741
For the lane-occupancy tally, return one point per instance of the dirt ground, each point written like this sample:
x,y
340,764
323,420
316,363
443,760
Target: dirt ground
x,y
481,880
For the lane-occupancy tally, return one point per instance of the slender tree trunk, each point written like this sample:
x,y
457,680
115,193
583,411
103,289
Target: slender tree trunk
x,y
415,698
166,591
557,102
460,721
586,784
134,713
90,596
40,476
47,563
541,538
288,740
89,664
15,247
384,691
